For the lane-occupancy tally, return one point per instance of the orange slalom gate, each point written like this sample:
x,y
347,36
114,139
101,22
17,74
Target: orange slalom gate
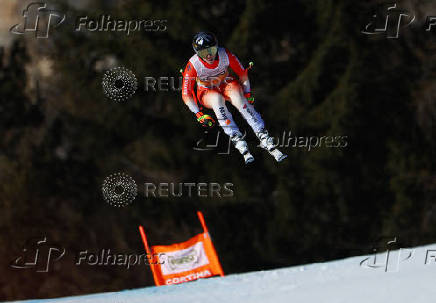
x,y
183,262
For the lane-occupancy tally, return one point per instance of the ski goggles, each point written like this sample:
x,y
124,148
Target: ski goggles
x,y
208,51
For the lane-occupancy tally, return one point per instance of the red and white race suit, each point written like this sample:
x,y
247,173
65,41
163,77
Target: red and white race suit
x,y
215,86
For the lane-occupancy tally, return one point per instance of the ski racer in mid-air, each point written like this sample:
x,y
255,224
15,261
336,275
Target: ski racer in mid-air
x,y
208,69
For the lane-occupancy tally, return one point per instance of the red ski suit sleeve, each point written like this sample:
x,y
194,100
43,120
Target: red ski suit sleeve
x,y
236,65
189,76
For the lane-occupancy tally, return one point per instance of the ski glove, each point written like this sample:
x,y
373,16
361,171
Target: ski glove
x,y
250,98
205,120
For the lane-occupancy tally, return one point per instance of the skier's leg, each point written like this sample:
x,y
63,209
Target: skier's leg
x,y
215,101
233,91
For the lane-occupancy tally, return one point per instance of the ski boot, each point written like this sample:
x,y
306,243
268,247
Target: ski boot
x,y
242,146
266,142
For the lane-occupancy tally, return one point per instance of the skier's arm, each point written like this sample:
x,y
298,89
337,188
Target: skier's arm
x,y
189,76
242,73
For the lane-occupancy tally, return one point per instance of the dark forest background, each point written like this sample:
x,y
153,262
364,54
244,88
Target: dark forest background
x,y
315,74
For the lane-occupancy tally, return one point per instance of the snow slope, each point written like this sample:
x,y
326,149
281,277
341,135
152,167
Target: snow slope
x,y
409,275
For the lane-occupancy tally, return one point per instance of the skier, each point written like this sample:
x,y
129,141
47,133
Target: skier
x,y
208,68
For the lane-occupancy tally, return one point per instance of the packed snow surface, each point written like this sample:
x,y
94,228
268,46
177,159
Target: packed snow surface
x,y
405,275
